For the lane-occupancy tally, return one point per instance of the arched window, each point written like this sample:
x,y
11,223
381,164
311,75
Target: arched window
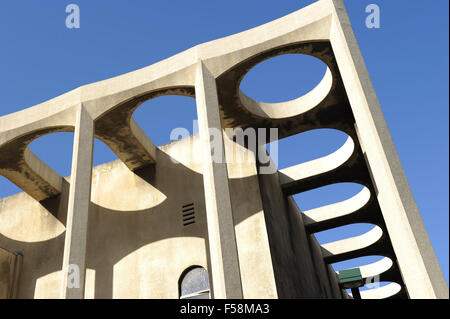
x,y
194,283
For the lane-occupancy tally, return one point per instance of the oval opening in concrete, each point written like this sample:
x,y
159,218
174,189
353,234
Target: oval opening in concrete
x,y
326,195
343,232
283,78
308,146
55,150
158,117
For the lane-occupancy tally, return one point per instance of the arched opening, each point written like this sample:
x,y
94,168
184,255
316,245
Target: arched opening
x,y
343,232
283,78
55,150
326,195
371,268
159,117
377,290
194,284
373,284
307,146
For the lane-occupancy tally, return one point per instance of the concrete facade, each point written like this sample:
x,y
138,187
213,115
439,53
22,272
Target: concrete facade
x,y
123,223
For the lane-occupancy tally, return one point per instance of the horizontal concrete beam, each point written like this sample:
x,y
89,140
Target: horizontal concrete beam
x,y
31,174
330,213
129,142
352,247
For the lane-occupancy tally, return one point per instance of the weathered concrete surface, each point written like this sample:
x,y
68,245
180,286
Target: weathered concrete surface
x,y
252,238
10,264
403,220
226,279
74,259
137,244
343,100
298,273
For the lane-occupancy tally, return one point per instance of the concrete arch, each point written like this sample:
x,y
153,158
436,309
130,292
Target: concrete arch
x,y
117,129
22,167
298,173
337,210
351,247
242,111
185,272
291,108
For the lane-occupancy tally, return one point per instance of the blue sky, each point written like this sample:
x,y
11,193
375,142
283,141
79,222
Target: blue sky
x,y
407,59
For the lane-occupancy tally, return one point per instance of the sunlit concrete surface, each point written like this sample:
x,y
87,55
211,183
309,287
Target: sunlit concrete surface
x,y
123,223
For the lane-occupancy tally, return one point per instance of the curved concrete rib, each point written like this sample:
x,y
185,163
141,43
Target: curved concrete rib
x,y
376,268
124,136
383,292
291,176
339,250
336,210
130,143
34,177
291,108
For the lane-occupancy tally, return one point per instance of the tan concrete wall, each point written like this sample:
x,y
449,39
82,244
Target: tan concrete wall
x,y
137,245
297,261
27,227
252,240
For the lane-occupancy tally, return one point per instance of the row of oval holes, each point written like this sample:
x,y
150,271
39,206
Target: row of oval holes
x,y
284,74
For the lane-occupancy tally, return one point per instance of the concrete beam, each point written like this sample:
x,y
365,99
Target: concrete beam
x,y
10,268
33,176
27,171
225,273
298,177
352,247
125,138
74,260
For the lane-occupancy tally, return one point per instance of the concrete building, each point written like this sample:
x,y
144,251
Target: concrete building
x,y
158,224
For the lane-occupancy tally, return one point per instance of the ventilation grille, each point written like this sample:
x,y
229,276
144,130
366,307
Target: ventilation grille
x,y
188,214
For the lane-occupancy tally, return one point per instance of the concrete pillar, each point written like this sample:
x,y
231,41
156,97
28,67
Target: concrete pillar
x,y
74,261
405,226
225,273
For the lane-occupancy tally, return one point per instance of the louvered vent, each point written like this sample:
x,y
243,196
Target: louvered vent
x,y
188,214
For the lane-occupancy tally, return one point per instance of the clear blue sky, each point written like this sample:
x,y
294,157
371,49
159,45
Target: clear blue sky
x,y
407,59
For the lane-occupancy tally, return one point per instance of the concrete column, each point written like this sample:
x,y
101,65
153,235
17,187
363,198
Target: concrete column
x,y
417,261
225,273
74,261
